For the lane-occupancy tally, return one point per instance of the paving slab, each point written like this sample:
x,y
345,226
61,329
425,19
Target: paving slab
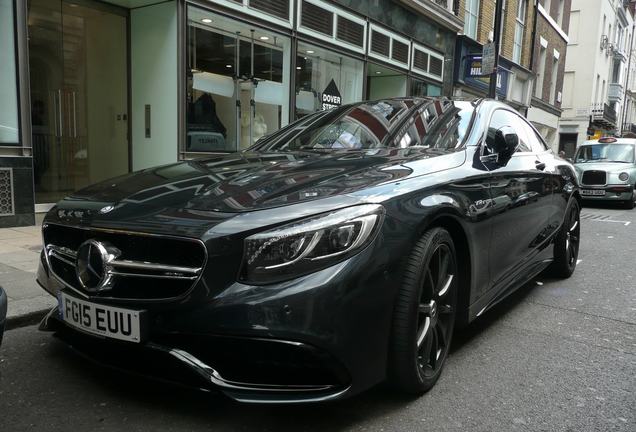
x,y
19,258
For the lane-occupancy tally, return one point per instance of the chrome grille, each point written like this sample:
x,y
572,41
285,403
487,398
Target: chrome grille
x,y
147,267
592,177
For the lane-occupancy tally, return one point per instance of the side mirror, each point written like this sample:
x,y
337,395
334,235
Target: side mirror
x,y
504,144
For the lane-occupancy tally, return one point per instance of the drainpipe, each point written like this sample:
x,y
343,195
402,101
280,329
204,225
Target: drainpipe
x,y
534,36
629,70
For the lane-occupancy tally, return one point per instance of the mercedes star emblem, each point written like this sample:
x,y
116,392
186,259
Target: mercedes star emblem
x,y
92,265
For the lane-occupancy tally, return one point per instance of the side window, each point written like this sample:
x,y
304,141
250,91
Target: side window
x,y
524,133
443,131
501,118
538,144
534,141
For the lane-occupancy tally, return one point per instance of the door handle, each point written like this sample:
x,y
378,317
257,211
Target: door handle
x,y
540,165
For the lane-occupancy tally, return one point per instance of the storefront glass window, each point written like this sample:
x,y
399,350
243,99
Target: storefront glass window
x,y
383,82
8,85
422,88
316,68
237,86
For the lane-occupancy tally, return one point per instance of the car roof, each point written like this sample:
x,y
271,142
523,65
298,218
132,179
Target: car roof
x,y
618,141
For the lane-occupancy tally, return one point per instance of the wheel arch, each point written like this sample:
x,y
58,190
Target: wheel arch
x,y
451,222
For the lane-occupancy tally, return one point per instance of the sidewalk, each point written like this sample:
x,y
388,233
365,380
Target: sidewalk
x,y
19,255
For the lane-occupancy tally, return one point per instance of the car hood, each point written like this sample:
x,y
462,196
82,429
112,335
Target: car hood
x,y
603,166
222,186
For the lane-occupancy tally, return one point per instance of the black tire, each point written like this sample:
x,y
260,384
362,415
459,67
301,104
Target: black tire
x,y
566,244
424,314
629,204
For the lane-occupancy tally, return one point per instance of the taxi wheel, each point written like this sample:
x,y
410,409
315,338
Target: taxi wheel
x,y
629,204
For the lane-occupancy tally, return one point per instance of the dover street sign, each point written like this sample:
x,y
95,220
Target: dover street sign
x,y
331,96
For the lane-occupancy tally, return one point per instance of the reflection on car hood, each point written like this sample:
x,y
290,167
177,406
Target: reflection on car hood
x,y
249,181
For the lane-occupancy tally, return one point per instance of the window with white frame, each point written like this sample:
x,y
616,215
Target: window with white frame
x,y
538,84
559,17
520,26
471,14
553,78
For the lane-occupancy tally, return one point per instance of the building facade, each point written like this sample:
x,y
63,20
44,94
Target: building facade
x,y
180,79
629,106
514,77
548,62
596,76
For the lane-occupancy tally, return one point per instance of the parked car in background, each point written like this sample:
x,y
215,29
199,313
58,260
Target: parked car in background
x,y
336,253
3,312
606,169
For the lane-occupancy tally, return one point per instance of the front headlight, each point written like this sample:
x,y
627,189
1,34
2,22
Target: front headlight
x,y
623,176
309,245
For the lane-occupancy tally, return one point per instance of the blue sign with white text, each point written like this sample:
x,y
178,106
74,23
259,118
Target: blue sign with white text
x,y
474,78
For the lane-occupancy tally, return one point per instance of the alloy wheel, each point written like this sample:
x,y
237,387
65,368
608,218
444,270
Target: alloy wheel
x,y
572,236
436,311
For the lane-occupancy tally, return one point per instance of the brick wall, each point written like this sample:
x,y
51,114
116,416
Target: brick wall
x,y
486,22
555,41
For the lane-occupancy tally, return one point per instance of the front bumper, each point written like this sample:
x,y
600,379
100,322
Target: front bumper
x,y
320,337
611,192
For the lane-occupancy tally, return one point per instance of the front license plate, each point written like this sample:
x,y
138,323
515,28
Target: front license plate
x,y
108,321
594,192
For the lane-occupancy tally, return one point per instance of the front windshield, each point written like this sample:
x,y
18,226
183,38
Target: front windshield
x,y
605,153
367,126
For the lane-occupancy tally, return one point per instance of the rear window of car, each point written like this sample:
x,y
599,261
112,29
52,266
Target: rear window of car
x,y
358,127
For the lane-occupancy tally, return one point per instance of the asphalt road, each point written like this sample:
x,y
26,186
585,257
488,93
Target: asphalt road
x,y
556,356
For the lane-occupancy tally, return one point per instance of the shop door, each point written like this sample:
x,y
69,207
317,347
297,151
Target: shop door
x,y
79,98
237,93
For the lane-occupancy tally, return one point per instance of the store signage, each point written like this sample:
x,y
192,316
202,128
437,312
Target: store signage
x,y
474,77
488,59
331,96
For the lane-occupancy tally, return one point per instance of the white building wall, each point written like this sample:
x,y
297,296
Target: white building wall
x,y
153,48
586,63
